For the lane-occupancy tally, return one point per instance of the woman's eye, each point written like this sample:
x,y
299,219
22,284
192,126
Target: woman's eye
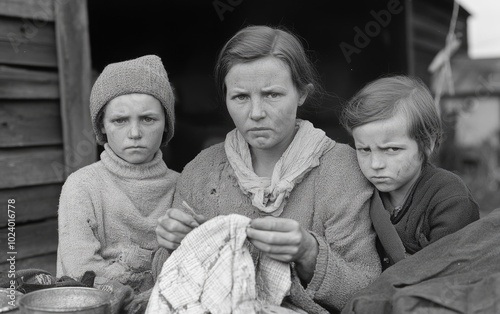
x,y
119,121
363,149
148,119
273,95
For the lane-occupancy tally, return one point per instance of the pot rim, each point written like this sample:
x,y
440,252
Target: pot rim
x,y
104,295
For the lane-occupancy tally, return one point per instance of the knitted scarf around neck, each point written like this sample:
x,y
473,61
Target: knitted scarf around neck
x,y
270,195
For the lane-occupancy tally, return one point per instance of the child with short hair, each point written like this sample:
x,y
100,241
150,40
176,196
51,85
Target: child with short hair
x,y
108,211
396,128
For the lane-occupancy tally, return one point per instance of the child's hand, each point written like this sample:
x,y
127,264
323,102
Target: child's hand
x,y
174,226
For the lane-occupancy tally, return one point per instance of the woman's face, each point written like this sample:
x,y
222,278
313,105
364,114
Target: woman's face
x,y
387,156
262,101
134,125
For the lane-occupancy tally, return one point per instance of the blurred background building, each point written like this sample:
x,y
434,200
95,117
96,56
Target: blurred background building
x,y
52,50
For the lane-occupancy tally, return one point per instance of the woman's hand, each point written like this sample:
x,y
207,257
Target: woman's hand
x,y
286,241
174,226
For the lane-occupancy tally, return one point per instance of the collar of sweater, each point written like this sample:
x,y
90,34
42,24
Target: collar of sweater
x,y
123,169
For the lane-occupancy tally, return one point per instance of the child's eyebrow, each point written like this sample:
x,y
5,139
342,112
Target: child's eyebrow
x,y
118,115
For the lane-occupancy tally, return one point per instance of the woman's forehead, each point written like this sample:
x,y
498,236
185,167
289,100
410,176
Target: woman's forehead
x,y
265,71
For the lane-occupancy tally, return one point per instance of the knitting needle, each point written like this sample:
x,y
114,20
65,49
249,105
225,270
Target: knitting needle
x,y
186,205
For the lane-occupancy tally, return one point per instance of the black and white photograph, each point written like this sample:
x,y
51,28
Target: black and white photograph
x,y
250,156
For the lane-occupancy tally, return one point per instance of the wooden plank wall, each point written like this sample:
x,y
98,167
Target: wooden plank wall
x,y
45,131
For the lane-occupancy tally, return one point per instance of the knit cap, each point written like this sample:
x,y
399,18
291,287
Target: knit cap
x,y
145,75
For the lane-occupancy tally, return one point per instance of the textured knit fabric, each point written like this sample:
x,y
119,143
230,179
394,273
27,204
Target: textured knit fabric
x,y
144,75
439,204
108,213
332,202
212,272
459,273
270,194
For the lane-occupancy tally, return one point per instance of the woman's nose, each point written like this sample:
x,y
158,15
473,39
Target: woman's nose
x,y
257,111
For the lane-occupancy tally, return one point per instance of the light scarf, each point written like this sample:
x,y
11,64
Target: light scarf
x,y
269,195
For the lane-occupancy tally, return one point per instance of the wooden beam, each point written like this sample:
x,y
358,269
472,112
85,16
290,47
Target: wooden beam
x,y
45,262
32,202
73,55
30,123
37,10
31,166
28,54
18,83
32,239
409,30
27,42
42,33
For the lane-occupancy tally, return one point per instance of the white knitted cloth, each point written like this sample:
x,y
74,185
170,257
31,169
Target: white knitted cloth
x,y
212,272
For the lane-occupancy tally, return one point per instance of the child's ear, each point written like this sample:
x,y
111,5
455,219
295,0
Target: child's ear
x,y
304,93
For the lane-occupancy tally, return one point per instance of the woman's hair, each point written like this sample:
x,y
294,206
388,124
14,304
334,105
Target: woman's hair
x,y
385,97
256,42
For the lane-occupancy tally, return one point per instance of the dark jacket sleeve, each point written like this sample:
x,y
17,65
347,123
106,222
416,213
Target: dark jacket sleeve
x,y
451,215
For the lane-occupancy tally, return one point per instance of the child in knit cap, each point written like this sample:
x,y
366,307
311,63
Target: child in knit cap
x,y
396,128
108,211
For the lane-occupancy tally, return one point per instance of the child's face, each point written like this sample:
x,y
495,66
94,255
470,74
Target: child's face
x,y
134,125
387,156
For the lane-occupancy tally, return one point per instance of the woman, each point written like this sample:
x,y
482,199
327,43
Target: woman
x,y
305,194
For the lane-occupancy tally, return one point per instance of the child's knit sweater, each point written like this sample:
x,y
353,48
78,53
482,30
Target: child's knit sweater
x,y
108,213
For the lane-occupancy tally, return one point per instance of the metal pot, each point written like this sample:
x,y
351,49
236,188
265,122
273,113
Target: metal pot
x,y
66,300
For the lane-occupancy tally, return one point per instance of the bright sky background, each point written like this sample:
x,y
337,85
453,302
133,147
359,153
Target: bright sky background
x,y
483,27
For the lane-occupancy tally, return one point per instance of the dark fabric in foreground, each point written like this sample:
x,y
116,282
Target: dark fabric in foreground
x,y
459,273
